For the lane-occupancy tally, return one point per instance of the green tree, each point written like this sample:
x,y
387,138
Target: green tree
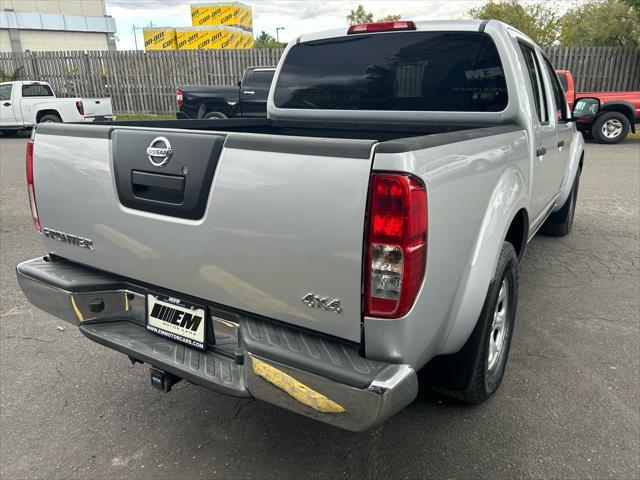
x,y
360,15
537,20
602,23
264,40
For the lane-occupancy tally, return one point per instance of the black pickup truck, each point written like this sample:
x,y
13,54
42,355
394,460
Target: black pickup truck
x,y
247,99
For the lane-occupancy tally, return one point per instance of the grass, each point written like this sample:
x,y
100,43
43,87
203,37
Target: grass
x,y
149,116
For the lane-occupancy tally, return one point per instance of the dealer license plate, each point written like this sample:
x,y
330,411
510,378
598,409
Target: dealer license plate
x,y
177,320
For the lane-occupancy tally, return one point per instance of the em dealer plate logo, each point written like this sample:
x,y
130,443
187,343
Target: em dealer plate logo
x,y
159,152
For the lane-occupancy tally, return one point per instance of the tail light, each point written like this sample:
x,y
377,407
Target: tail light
x,y
30,190
179,98
382,26
396,244
80,107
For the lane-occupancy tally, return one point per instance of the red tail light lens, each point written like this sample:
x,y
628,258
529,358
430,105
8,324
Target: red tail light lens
x,y
179,98
30,190
80,107
396,245
382,26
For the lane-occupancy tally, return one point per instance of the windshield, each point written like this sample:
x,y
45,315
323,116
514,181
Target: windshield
x,y
417,71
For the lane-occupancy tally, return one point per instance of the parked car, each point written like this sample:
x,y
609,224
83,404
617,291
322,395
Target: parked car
x,y
619,111
24,104
366,235
247,99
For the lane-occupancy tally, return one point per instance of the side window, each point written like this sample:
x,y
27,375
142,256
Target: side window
x,y
563,81
263,77
5,92
558,93
535,76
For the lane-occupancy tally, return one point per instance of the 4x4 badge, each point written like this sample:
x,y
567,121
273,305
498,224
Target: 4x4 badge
x,y
314,301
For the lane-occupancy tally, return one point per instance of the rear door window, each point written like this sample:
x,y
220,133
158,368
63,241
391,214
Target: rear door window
x,y
37,91
405,71
535,77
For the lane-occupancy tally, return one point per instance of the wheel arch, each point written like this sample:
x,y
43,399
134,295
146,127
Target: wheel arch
x,y
518,232
50,111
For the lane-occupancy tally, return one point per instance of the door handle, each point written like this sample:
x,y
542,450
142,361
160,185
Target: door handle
x,y
249,92
561,143
541,151
7,104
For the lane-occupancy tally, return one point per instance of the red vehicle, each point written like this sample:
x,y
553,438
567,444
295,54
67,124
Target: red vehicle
x,y
618,115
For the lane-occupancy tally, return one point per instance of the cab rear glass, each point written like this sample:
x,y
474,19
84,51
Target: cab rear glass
x,y
36,90
405,71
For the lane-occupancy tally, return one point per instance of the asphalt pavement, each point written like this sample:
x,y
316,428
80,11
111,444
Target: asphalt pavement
x,y
569,405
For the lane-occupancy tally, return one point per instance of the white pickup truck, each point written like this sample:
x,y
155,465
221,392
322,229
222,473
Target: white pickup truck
x,y
24,104
363,239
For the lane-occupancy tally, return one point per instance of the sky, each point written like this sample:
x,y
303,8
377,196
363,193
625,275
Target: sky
x,y
296,17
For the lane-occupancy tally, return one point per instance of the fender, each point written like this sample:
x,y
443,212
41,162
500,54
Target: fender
x,y
507,199
575,159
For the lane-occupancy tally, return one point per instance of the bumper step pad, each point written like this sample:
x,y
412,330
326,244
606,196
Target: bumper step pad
x,y
208,369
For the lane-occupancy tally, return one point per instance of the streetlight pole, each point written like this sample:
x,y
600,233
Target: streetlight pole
x,y
278,33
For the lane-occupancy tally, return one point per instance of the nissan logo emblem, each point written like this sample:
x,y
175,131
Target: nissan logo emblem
x,y
159,152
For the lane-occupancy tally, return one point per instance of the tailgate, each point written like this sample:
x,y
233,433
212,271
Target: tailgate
x,y
256,223
96,107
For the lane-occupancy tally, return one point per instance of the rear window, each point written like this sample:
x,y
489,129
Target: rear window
x,y
417,71
37,91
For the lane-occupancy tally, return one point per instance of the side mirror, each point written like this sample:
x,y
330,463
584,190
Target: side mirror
x,y
239,83
585,107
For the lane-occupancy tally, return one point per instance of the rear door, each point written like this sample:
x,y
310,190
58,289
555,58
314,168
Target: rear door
x,y
254,91
545,142
255,225
8,117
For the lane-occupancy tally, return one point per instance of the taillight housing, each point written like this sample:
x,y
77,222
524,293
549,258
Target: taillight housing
x,y
80,107
382,26
396,244
30,189
179,98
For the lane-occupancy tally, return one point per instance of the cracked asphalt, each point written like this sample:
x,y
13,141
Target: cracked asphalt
x,y
568,407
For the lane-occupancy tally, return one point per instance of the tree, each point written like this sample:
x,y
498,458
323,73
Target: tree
x,y
602,23
264,40
360,15
537,20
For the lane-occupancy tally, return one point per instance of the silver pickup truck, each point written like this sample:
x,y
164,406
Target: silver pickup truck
x,y
362,240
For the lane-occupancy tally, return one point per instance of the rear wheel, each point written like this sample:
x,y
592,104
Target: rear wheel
x,y
560,223
50,119
610,127
215,115
479,366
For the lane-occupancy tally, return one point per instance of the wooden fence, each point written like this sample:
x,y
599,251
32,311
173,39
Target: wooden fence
x,y
145,82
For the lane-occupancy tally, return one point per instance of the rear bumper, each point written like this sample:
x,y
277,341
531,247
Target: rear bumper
x,y
309,374
99,118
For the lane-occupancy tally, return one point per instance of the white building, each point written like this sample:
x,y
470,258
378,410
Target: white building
x,y
54,25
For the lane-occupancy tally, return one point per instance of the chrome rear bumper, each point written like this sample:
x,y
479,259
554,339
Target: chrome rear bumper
x,y
308,374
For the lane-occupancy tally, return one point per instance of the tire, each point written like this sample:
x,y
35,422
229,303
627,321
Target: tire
x,y
560,223
50,119
215,115
610,127
476,371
